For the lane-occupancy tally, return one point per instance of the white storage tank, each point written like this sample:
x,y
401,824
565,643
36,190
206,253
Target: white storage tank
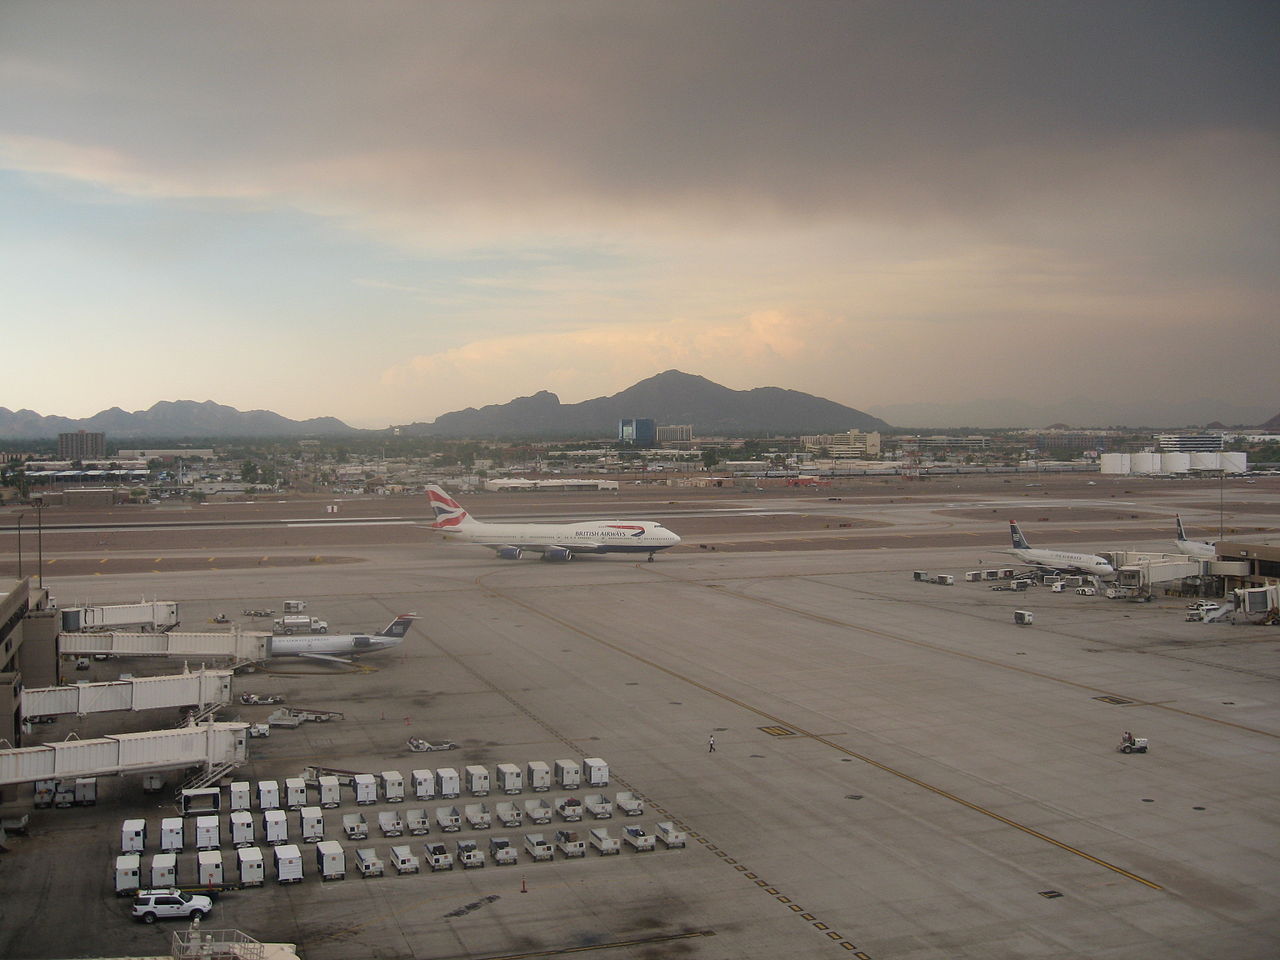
x,y
312,824
128,866
366,785
207,837
330,860
596,772
1118,463
274,828
295,790
568,774
241,828
1146,463
209,868
1234,461
252,873
330,792
171,834
288,863
1206,461
424,784
268,795
393,786
1176,462
510,778
538,775
164,870
133,836
447,783
478,780
241,791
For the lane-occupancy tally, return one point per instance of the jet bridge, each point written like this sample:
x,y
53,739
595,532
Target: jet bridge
x,y
237,646
199,688
216,745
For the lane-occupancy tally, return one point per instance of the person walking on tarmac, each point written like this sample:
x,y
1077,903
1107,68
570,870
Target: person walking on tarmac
x,y
711,744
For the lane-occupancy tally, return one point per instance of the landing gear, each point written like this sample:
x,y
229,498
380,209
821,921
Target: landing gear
x,y
651,558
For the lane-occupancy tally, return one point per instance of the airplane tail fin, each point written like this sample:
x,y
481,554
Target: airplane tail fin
x,y
399,626
1182,533
1019,541
449,512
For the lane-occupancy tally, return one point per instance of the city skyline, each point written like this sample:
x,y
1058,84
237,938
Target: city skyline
x,y
1012,213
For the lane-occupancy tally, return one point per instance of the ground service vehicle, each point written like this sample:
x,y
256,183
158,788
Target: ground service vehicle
x,y
299,624
152,905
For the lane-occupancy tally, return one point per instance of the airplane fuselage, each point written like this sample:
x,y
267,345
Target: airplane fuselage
x,y
1064,560
330,644
588,536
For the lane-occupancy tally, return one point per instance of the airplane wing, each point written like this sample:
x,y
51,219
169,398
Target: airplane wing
x,y
325,656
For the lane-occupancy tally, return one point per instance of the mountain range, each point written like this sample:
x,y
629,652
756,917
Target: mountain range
x,y
175,419
668,398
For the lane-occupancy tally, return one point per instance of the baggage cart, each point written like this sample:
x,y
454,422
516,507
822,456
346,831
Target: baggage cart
x,y
509,814
510,778
128,867
275,829
393,786
570,843
670,836
447,783
403,860
604,843
538,811
241,828
390,824
368,863
86,791
502,852
568,774
164,870
209,868
366,785
268,795
133,836
207,833
416,821
252,872
330,860
637,837
629,803
469,854
240,792
438,856
311,820
355,826
569,808
538,776
424,784
171,829
477,780
449,819
596,772
288,863
598,805
295,790
478,816
330,791
535,844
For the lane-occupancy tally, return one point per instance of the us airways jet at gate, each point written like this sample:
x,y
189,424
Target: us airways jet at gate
x,y
328,646
555,541
1058,559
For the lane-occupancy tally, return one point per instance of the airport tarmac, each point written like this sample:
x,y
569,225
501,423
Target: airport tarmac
x,y
900,771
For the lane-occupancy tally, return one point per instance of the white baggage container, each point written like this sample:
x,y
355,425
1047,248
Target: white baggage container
x,y
447,786
330,792
600,806
207,833
570,843
509,814
449,819
209,868
569,808
478,816
330,860
368,863
312,824
288,863
538,811
596,772
478,780
252,873
424,784
295,793
416,821
44,791
568,774
438,856
535,844
241,828
604,843
171,834
241,792
469,854
973,576
86,791
1023,617
128,866
275,829
65,795
992,574
510,778
366,785
671,837
390,824
268,795
538,775
403,860
354,826
133,836
502,852
392,786
164,870
629,803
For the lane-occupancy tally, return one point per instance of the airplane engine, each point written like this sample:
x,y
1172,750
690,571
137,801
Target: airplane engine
x,y
558,553
510,553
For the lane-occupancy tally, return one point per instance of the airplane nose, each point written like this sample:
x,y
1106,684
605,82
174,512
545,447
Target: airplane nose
x,y
675,538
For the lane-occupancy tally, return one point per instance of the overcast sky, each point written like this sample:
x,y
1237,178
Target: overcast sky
x,y
939,212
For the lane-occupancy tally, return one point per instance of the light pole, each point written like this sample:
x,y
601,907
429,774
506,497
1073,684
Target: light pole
x,y
40,544
20,516
1222,474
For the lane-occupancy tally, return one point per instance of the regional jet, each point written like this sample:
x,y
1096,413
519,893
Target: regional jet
x,y
327,647
554,541
1058,559
1195,548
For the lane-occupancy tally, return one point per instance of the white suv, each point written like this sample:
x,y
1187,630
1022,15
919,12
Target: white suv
x,y
151,905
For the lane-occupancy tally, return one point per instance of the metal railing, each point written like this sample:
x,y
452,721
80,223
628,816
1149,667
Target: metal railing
x,y
199,944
